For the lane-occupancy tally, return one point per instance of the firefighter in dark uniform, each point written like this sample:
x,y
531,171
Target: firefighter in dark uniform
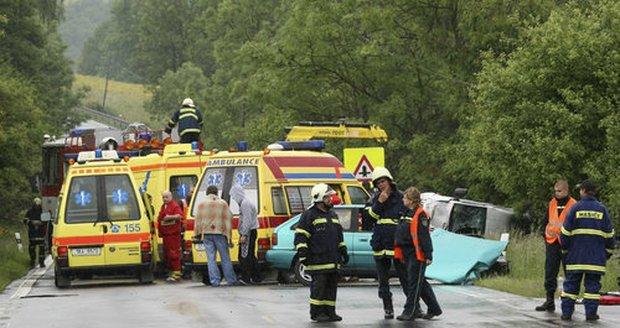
x,y
320,247
190,122
386,209
555,216
36,233
588,241
413,242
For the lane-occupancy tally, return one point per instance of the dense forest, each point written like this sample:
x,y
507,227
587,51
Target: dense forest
x,y
500,96
35,95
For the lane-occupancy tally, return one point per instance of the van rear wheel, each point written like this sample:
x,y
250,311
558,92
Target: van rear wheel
x,y
301,275
146,276
61,280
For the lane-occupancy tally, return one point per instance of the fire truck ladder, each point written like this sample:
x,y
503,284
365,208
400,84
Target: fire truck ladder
x,y
335,130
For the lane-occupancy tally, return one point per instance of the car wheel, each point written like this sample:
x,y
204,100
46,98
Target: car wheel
x,y
286,277
301,275
61,280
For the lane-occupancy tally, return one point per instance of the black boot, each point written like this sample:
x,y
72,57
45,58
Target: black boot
x,y
549,304
388,308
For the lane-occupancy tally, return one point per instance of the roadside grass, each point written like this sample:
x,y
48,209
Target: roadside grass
x,y
13,264
526,254
125,100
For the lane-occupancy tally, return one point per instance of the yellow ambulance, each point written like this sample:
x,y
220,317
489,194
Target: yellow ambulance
x,y
102,224
277,180
176,168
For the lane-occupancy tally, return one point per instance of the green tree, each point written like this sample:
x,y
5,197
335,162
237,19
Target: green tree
x,y
546,111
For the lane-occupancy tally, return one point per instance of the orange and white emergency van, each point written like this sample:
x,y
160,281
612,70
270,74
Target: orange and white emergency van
x,y
278,180
102,224
176,168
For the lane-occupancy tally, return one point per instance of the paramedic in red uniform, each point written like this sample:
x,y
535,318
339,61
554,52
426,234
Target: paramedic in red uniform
x,y
169,220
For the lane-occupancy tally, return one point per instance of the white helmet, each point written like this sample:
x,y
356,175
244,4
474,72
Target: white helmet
x,y
381,172
319,191
188,102
37,201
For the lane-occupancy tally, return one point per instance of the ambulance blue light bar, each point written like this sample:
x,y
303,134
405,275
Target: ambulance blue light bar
x,y
317,145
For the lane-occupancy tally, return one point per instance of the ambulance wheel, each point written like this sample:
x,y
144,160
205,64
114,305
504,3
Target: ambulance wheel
x,y
146,276
301,275
61,280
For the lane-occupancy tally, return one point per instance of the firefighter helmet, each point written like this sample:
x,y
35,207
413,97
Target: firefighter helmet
x,y
37,201
319,191
188,102
381,172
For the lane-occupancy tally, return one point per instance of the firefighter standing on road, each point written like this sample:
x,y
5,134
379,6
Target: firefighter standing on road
x,y
320,247
36,233
189,119
169,219
555,216
387,208
588,238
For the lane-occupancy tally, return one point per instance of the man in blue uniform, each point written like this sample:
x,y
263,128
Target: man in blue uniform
x,y
587,241
189,119
321,248
386,209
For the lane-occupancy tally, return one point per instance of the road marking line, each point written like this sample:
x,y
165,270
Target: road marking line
x,y
26,285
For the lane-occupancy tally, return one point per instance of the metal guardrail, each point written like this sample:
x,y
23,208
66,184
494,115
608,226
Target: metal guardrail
x,y
109,118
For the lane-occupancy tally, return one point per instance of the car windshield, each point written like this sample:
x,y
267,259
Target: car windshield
x,y
469,220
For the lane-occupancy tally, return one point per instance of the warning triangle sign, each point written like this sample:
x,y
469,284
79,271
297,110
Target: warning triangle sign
x,y
363,169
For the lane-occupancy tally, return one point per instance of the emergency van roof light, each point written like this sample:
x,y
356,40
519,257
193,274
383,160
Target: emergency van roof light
x,y
317,145
194,145
242,146
85,156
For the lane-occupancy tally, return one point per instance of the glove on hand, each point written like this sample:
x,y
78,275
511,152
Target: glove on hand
x,y
344,255
168,130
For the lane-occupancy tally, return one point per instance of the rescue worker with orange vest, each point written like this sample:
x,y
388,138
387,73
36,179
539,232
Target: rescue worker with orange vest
x,y
413,242
386,209
555,216
588,240
190,122
169,227
320,247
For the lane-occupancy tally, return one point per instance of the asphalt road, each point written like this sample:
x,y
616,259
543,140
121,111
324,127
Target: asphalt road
x,y
33,301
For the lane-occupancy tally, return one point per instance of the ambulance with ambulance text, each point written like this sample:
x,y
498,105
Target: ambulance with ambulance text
x,y
278,180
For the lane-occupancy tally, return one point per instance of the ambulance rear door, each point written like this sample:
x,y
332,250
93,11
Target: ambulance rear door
x,y
127,227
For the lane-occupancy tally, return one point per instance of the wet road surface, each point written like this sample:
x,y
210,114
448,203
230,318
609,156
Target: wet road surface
x,y
34,301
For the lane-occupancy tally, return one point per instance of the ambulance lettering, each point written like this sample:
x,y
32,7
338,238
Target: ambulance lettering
x,y
233,162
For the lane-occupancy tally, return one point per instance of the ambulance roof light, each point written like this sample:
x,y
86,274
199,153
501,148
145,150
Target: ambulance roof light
x,y
98,154
242,146
194,145
316,145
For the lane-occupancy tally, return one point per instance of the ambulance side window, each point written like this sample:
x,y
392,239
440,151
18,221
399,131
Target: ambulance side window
x,y
357,195
212,176
247,178
120,198
279,203
299,198
180,185
82,200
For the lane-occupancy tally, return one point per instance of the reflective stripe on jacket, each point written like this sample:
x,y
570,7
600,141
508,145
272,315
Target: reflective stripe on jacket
x,y
588,237
554,225
386,216
318,237
189,119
